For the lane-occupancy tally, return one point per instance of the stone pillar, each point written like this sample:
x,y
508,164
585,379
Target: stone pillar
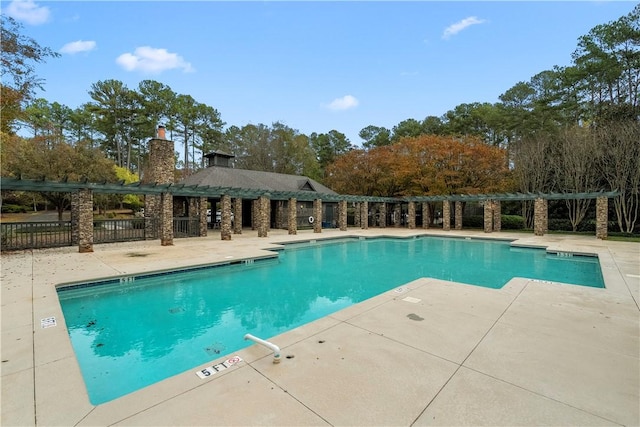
x,y
446,215
342,215
293,216
161,165
540,217
237,215
488,216
255,214
317,215
225,217
602,217
357,214
75,218
166,219
383,215
426,215
364,215
202,215
280,214
85,220
457,215
412,215
262,218
397,215
497,215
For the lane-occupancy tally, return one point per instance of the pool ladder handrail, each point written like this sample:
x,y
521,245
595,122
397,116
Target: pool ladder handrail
x,y
269,345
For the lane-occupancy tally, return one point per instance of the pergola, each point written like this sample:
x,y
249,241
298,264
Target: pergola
x,y
82,205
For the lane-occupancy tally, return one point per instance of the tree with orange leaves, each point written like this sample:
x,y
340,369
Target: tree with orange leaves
x,y
423,165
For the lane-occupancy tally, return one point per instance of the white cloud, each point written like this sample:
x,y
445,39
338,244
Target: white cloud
x,y
28,11
78,46
151,60
454,29
344,103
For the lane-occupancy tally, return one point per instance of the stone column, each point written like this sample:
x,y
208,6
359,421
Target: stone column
x,y
237,215
426,215
166,219
202,215
160,170
342,215
225,217
85,220
383,215
280,214
497,215
446,215
397,214
255,214
75,218
540,217
412,215
364,215
602,217
293,216
356,215
262,218
488,216
457,215
317,214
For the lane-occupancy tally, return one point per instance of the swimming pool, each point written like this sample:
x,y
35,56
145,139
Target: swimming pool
x,y
131,332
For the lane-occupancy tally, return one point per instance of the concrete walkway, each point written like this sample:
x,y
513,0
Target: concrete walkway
x,y
428,353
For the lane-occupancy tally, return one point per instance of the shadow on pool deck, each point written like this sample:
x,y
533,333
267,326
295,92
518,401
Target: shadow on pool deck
x,y
429,353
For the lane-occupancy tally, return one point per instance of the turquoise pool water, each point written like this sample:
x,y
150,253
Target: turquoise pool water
x,y
129,333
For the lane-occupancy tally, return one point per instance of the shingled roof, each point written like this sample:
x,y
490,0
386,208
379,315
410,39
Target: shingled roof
x,y
254,180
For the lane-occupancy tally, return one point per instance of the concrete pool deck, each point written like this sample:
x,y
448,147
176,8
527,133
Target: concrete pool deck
x,y
428,353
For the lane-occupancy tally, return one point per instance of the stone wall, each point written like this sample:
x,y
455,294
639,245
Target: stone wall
x,y
397,215
382,222
497,215
160,170
166,219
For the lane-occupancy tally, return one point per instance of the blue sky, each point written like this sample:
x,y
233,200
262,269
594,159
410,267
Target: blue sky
x,y
315,66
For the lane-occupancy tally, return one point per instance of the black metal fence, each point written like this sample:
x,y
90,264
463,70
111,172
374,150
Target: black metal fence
x,y
186,227
124,230
32,235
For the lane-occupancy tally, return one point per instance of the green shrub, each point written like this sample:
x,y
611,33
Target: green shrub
x,y
512,222
11,208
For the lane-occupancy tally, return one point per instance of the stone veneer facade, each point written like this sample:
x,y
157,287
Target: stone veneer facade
x,y
292,225
457,215
540,217
85,220
412,215
364,215
317,214
342,215
262,219
160,170
602,217
237,215
426,215
225,217
397,215
446,215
